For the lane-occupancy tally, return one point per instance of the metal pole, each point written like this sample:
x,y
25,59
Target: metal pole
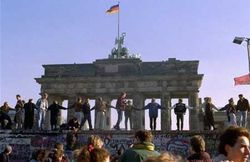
x,y
118,38
248,51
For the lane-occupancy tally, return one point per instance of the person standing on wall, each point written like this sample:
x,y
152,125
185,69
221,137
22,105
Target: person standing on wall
x,y
120,107
129,109
86,114
153,107
19,112
101,107
55,114
77,106
207,109
209,113
29,109
243,108
231,112
180,110
42,106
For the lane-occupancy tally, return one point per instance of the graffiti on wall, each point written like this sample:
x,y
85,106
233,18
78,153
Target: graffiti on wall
x,y
24,145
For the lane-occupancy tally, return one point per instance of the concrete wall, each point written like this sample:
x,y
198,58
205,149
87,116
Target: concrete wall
x,y
23,144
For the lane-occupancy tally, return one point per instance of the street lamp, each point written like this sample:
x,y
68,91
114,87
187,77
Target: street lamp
x,y
239,40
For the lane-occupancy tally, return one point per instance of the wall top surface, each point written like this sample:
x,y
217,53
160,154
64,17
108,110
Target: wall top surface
x,y
122,67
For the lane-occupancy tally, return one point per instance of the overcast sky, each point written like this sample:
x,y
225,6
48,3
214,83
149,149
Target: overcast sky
x,y
35,32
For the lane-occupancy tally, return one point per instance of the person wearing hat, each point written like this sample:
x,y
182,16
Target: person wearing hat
x,y
243,108
231,111
4,156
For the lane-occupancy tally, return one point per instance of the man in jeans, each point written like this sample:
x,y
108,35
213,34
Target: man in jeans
x,y
120,106
42,106
243,108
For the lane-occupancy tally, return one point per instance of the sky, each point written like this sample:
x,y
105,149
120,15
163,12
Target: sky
x,y
34,33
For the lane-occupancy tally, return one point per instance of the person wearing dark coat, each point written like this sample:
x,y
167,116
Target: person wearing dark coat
x,y
180,110
29,108
86,114
5,120
55,114
243,108
209,116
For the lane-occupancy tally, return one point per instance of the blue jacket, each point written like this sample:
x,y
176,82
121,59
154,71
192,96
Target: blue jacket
x,y
153,109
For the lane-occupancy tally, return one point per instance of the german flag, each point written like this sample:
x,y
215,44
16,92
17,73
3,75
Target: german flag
x,y
113,9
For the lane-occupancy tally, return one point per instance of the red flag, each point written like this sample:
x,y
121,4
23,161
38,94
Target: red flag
x,y
113,9
242,80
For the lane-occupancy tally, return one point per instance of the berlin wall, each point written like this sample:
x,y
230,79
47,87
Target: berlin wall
x,y
176,142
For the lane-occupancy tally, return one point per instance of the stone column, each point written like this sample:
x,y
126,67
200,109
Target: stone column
x,y
71,101
108,113
139,116
193,101
166,113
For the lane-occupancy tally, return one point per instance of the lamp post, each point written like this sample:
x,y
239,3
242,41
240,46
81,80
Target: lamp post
x,y
239,40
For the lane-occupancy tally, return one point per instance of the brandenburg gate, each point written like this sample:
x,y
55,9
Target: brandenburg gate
x,y
107,78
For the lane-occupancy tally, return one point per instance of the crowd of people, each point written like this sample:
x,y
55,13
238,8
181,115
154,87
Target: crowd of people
x,y
234,146
25,113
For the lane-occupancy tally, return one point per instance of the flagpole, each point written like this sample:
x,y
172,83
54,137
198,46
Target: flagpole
x,y
118,37
248,52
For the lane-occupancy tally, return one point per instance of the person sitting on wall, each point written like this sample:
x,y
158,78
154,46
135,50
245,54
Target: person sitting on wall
x,y
73,124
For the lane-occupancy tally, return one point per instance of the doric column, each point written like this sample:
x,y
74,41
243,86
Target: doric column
x,y
193,101
166,113
139,116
